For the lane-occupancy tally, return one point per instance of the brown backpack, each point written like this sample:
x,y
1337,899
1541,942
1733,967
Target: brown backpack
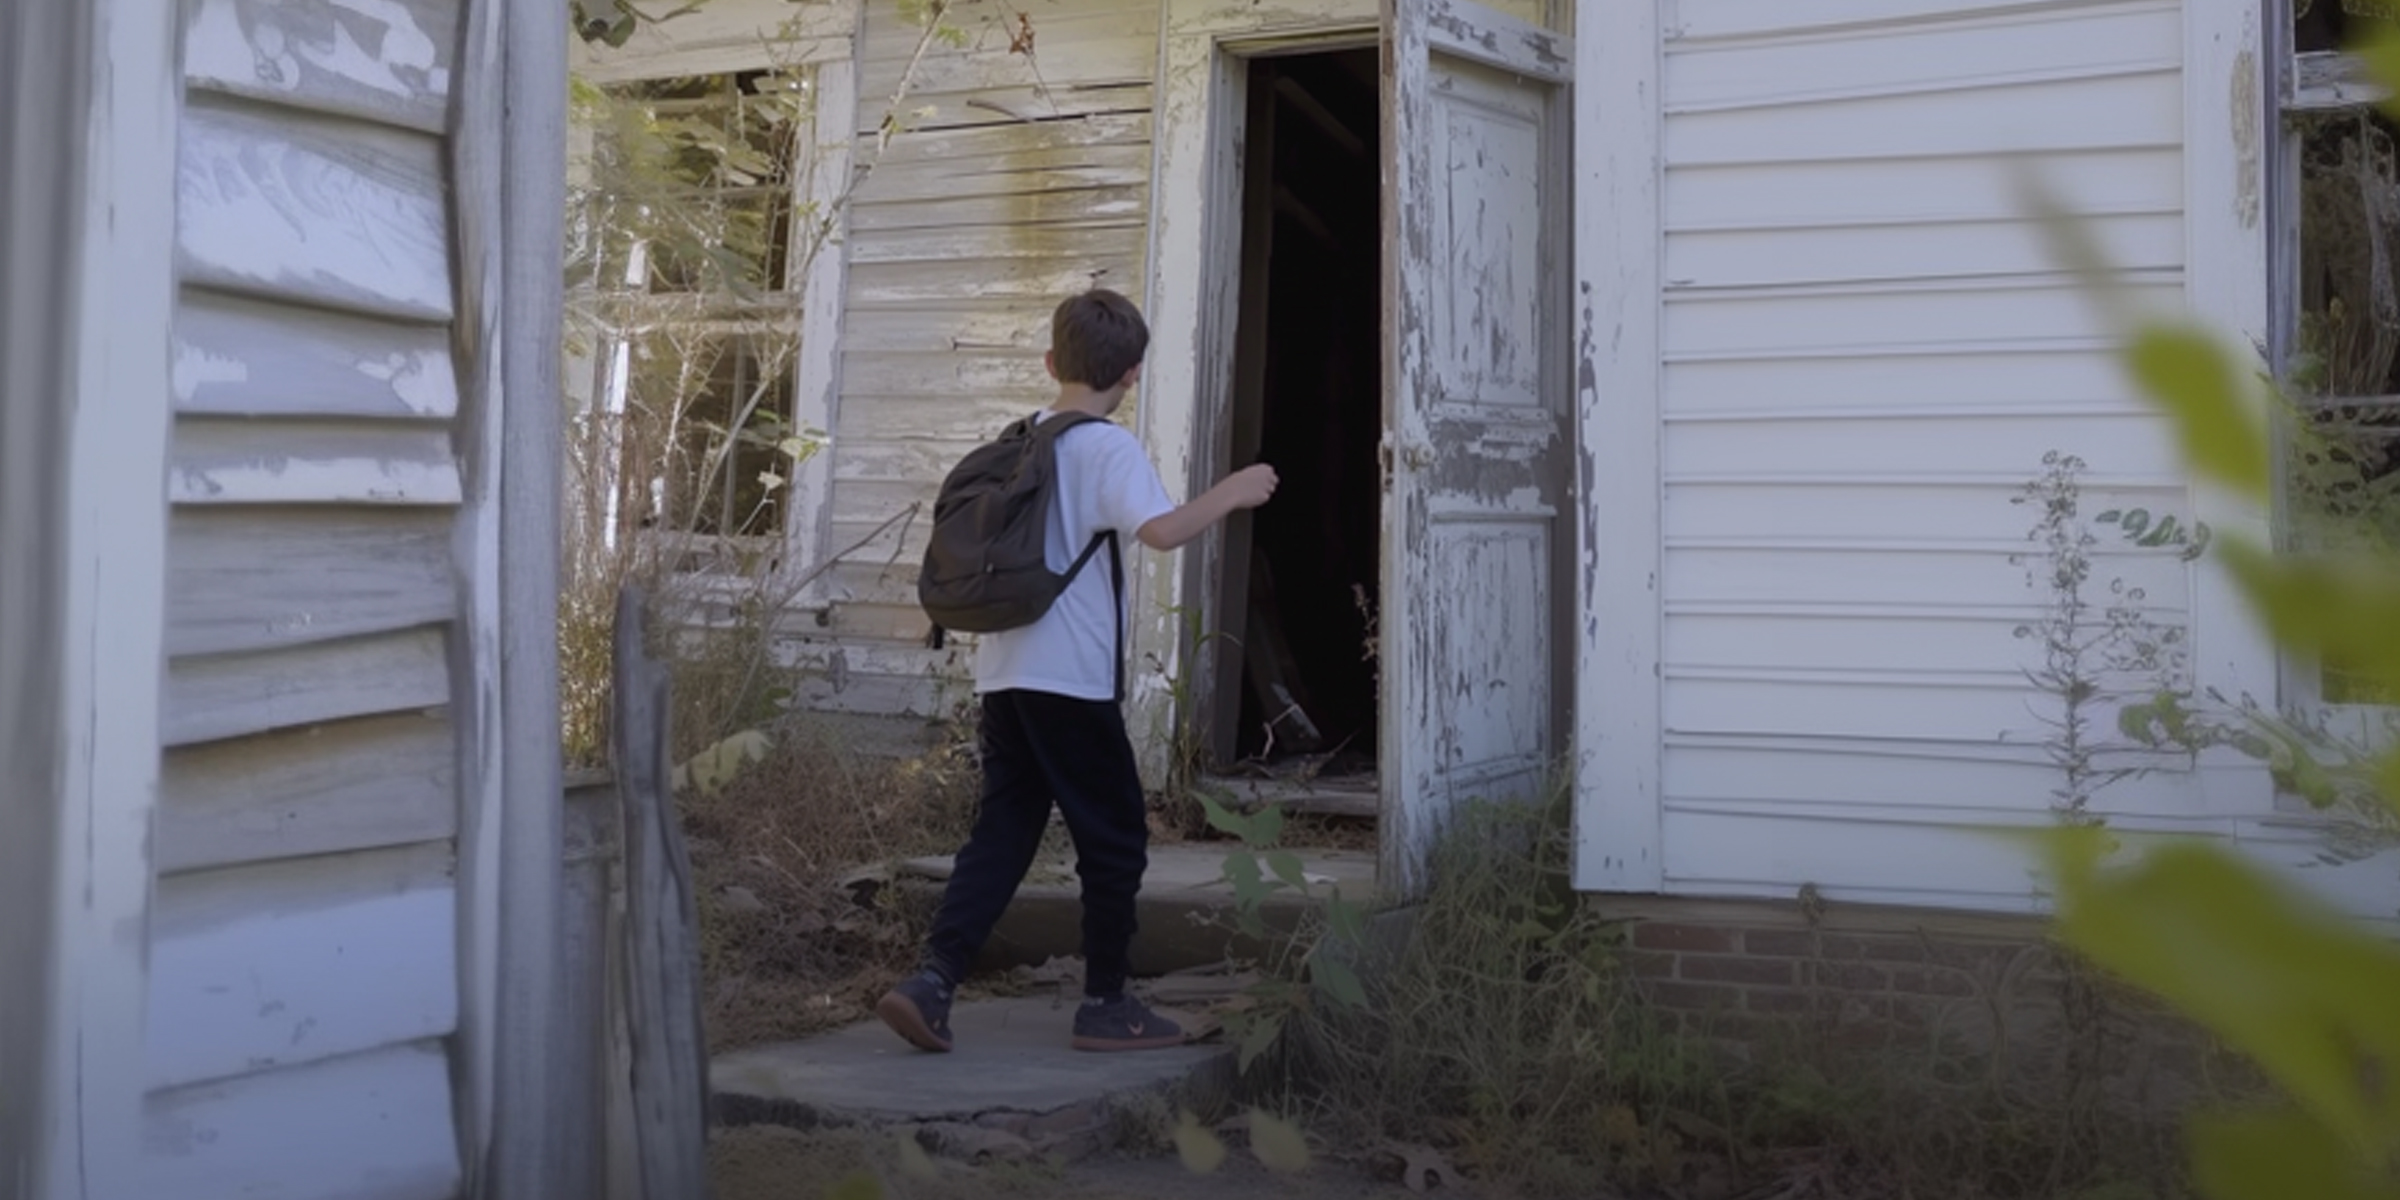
x,y
986,567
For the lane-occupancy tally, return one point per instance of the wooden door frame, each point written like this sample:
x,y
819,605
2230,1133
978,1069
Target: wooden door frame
x,y
508,173
1618,128
1193,303
89,245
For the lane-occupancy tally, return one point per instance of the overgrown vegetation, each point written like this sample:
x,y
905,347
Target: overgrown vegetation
x,y
2098,653
1504,1043
694,216
2305,993
802,922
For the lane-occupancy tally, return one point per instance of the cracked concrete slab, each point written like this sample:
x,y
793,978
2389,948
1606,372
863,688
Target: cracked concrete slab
x,y
1012,1088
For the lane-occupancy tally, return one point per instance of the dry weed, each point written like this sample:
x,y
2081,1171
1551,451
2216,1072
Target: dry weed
x,y
800,928
1503,1032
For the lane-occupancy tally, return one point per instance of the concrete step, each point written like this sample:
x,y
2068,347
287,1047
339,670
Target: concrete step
x,y
1354,796
1183,896
1012,1089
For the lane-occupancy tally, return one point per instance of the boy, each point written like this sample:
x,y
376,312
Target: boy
x,y
1052,728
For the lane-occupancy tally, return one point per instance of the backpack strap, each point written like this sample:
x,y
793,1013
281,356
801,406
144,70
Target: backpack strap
x,y
1116,580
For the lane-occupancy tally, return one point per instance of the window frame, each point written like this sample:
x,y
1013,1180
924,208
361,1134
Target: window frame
x,y
2304,85
801,305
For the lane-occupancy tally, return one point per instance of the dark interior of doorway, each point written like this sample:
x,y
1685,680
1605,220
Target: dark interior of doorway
x,y
1301,580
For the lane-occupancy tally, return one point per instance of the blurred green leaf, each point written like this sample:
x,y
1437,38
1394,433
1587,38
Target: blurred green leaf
x,y
2277,1156
1223,819
914,1162
1200,1150
2345,609
2205,390
1258,1038
1288,868
2302,992
2381,54
1277,1143
1266,826
1337,978
1347,919
1250,887
861,1186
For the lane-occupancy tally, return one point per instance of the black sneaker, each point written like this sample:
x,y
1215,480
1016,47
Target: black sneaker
x,y
1123,1023
919,1010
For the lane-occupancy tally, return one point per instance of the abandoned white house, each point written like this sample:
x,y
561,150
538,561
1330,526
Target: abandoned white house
x,y
278,711
1651,380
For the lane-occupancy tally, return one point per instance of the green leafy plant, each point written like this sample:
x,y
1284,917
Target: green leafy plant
x,y
1258,871
2099,654
2311,997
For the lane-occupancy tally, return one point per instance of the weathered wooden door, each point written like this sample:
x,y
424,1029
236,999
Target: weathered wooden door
x,y
1477,415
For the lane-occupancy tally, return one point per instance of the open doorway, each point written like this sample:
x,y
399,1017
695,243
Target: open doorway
x,y
1297,681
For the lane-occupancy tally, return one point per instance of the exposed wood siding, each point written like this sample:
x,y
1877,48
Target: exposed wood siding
x,y
381,781
1865,351
373,1125
258,967
306,942
1019,181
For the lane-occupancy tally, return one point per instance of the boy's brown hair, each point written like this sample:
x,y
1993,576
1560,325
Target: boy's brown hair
x,y
1097,337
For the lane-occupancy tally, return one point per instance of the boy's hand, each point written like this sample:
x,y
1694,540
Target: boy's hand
x,y
1251,486
1246,488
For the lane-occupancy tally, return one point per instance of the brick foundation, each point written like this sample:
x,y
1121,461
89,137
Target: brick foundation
x,y
1953,995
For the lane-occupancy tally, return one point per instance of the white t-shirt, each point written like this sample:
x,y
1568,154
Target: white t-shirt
x,y
1104,481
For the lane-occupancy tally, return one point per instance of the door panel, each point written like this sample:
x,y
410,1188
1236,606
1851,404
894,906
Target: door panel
x,y
1476,414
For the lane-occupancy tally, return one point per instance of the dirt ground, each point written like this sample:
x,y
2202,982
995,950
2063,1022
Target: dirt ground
x,y
772,1163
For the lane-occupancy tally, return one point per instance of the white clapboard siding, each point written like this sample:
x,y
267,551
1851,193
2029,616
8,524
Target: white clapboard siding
x,y
1705,20
2031,45
350,785
373,1126
1019,180
246,358
331,211
1981,376
1866,350
278,964
390,60
307,940
318,462
224,696
254,578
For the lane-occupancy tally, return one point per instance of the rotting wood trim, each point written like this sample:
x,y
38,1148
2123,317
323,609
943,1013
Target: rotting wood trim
x,y
2331,81
1496,39
210,699
272,965
237,1137
532,1161
655,979
257,578
350,785
46,61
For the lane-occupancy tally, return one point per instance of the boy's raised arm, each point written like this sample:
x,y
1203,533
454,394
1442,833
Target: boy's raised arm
x,y
1247,488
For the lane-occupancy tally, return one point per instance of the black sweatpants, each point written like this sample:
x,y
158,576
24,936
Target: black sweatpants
x,y
1037,748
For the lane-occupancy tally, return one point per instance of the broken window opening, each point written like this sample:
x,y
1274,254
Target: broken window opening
x,y
2341,472
685,265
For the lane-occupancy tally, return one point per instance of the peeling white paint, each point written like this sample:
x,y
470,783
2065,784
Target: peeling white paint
x,y
196,368
2246,118
274,47
423,391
